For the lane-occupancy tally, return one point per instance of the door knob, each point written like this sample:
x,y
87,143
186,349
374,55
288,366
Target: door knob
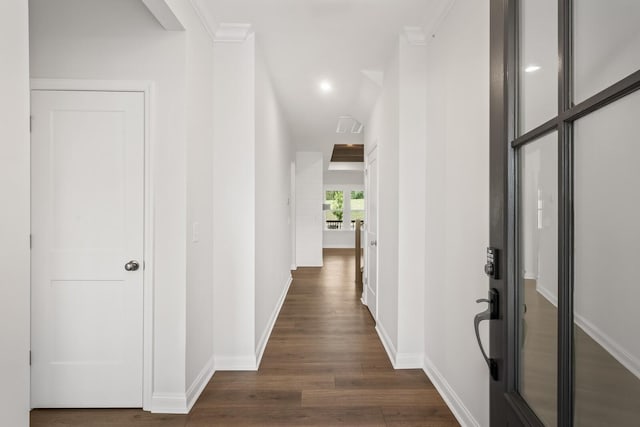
x,y
132,265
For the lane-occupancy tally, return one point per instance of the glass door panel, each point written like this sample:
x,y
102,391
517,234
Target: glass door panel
x,y
607,252
606,43
538,62
538,277
566,348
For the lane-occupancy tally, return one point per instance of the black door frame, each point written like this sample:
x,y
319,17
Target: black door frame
x,y
507,406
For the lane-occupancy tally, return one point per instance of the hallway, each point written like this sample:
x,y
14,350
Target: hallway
x,y
324,366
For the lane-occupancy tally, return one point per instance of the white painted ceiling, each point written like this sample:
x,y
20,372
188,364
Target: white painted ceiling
x,y
305,41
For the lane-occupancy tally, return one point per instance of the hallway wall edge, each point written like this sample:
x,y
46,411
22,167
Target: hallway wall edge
x,y
451,398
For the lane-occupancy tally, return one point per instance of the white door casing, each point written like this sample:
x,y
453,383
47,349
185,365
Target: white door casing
x,y
87,222
371,196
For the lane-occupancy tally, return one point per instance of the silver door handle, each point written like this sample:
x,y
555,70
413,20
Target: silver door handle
x,y
132,265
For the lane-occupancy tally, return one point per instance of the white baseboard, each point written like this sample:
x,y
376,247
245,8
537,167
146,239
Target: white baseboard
x,y
386,342
549,295
409,361
264,339
626,359
169,403
453,401
236,363
181,403
294,267
614,349
195,390
399,360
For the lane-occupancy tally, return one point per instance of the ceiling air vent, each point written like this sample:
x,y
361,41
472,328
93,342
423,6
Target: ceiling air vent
x,y
347,124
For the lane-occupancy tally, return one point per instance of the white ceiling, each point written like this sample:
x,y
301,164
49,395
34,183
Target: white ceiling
x,y
305,41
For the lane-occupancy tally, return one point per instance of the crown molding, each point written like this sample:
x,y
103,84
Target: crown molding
x,y
232,33
415,36
161,10
197,7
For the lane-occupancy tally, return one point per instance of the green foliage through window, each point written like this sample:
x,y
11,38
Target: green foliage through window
x,y
335,199
338,212
357,195
357,206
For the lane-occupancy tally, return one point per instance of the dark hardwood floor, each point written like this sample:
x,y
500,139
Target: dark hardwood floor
x,y
324,366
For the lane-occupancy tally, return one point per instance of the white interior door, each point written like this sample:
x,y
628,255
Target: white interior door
x,y
87,225
371,195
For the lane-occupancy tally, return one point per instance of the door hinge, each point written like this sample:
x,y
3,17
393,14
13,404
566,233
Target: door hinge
x,y
29,357
30,241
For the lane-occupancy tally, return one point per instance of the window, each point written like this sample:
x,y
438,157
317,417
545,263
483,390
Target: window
x,y
334,201
342,207
357,207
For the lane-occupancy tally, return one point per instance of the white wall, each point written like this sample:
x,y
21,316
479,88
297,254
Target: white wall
x,y
309,214
120,40
339,239
14,215
292,210
607,231
539,213
199,225
457,211
388,179
397,127
539,48
606,44
234,219
252,234
530,166
411,201
344,177
273,214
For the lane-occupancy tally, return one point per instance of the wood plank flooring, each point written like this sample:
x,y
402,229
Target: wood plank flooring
x,y
324,366
606,393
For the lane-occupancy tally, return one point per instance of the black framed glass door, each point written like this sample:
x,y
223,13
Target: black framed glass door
x,y
565,212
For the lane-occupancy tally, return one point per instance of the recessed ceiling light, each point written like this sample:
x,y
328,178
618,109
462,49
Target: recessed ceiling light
x,y
532,68
326,86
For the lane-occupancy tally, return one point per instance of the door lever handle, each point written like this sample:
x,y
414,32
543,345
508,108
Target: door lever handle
x,y
490,313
